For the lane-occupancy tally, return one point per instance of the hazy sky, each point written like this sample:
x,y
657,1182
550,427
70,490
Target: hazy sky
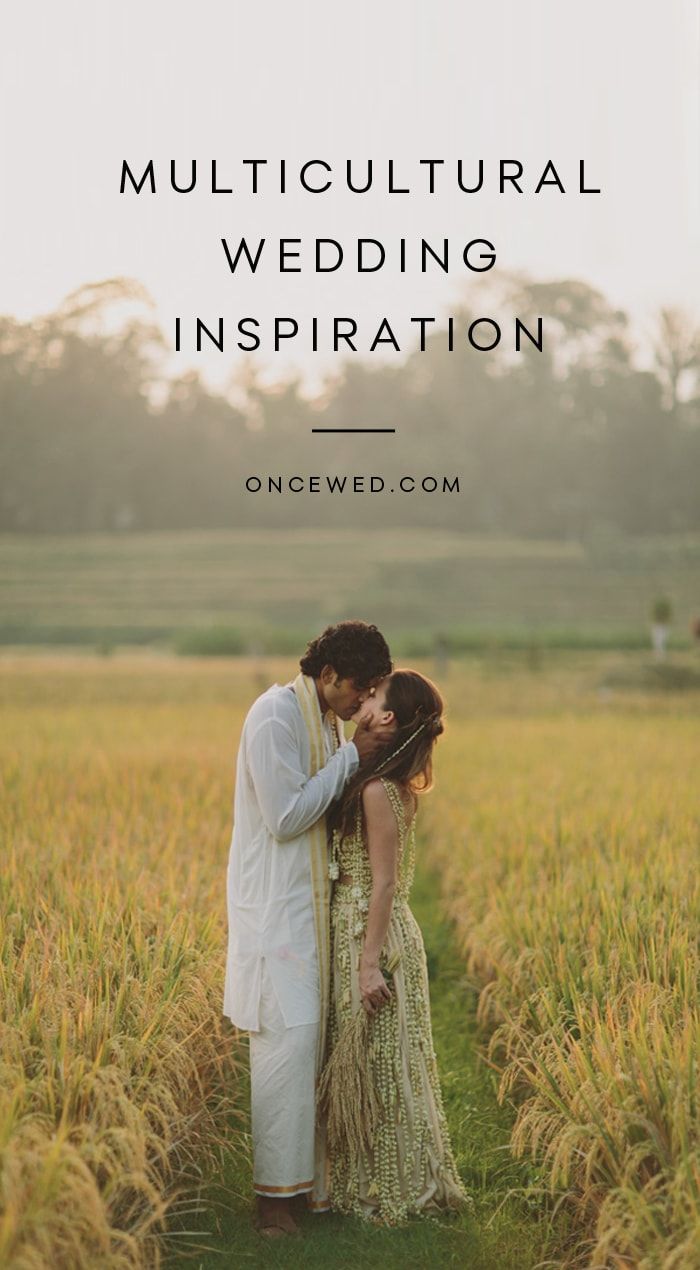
x,y
84,85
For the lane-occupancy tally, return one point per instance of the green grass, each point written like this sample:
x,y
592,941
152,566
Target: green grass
x,y
268,590
511,1227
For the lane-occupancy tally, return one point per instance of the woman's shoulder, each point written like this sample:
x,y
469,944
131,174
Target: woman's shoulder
x,y
382,791
375,794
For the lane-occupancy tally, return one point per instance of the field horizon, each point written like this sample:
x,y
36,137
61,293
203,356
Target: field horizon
x,y
268,591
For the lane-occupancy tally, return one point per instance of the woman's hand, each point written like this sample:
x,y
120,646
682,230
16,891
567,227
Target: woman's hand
x,y
374,990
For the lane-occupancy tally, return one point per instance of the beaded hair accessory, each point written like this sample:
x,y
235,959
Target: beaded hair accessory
x,y
407,742
401,747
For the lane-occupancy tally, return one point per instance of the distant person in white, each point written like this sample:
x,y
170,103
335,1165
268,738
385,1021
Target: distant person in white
x,y
293,762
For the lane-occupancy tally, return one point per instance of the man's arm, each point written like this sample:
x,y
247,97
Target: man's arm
x,y
291,801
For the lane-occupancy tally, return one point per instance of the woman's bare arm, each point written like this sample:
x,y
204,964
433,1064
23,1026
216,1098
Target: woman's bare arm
x,y
383,847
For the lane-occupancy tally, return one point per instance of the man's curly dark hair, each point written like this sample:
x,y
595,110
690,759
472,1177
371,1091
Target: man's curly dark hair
x,y
355,650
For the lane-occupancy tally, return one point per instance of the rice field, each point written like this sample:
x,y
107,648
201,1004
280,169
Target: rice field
x,y
272,589
569,846
564,828
117,1068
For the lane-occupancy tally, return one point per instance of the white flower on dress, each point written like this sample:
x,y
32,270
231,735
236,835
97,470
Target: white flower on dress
x,y
358,928
356,892
363,904
333,870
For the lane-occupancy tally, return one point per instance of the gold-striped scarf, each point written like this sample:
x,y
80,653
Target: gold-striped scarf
x,y
307,696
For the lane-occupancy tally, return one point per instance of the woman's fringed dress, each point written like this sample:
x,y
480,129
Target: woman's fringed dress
x,y
409,1166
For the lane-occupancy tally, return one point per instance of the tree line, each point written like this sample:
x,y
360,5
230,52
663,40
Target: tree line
x,y
562,443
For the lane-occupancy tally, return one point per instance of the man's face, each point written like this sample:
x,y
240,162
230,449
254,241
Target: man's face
x,y
344,696
373,712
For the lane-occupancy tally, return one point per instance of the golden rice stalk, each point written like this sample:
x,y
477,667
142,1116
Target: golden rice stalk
x,y
347,1094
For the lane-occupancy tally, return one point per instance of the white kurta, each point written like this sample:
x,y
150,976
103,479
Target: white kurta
x,y
270,905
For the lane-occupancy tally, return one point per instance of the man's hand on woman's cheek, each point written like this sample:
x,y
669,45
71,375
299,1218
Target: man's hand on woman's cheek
x,y
364,715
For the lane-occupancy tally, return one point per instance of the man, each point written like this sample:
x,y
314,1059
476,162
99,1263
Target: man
x,y
293,761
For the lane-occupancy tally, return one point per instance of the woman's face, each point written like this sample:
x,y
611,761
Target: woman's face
x,y
374,711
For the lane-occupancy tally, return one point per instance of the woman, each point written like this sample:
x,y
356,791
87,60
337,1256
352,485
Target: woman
x,y
400,1161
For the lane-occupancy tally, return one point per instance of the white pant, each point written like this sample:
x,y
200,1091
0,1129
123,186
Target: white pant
x,y
283,1099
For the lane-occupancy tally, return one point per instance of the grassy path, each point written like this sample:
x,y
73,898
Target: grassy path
x,y
508,1230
